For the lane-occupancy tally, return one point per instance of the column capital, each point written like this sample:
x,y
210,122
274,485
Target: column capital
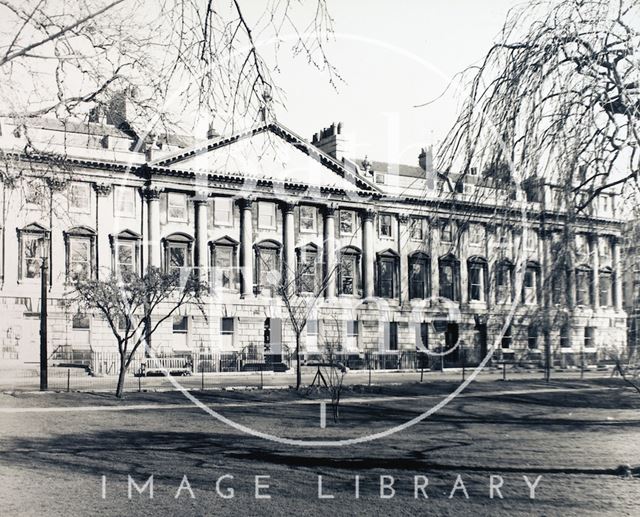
x,y
201,197
403,218
152,192
102,189
367,214
57,184
330,209
287,206
245,203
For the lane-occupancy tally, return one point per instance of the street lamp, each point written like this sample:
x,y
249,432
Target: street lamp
x,y
44,279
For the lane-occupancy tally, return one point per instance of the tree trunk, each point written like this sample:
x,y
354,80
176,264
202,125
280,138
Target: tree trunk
x,y
298,371
123,371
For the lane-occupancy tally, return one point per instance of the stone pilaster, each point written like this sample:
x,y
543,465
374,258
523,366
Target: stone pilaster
x,y
434,232
104,226
617,273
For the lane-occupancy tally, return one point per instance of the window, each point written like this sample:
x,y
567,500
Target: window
x,y
81,330
605,281
416,229
477,279
379,177
532,337
35,194
446,233
423,336
268,267
312,327
80,198
449,273
177,252
532,241
352,328
226,326
387,275
605,204
307,269
124,199
565,342
605,251
308,219
582,247
347,222
530,285
385,225
558,289
476,235
176,207
507,338
391,335
266,216
223,267
419,269
125,257
504,282
349,272
583,286
33,247
79,265
223,211
589,337
180,324
80,322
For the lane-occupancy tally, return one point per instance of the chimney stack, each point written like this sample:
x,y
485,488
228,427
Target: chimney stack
x,y
333,141
425,159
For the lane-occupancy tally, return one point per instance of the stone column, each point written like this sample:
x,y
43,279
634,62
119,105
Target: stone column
x,y
491,252
246,248
289,244
152,195
403,261
329,248
368,290
617,273
201,261
104,216
595,266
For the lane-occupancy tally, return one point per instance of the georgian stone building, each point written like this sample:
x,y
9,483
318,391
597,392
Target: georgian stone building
x,y
408,256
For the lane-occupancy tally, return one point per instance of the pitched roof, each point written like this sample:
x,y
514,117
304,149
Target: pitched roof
x,y
269,151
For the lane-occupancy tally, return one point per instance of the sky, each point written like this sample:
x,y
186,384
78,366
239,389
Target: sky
x,y
392,57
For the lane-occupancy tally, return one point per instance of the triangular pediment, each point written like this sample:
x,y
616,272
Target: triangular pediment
x,y
271,153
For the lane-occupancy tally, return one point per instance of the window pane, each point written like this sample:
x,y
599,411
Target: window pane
x,y
125,201
226,325
307,219
223,211
79,196
266,215
177,209
312,327
347,274
180,324
385,225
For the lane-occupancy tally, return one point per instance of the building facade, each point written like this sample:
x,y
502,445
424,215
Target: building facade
x,y
404,259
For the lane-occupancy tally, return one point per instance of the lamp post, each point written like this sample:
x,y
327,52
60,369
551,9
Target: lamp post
x,y
44,278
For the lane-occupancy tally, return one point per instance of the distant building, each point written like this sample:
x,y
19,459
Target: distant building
x,y
417,258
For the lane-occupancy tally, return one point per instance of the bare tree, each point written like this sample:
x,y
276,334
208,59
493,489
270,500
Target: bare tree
x,y
128,303
558,97
332,370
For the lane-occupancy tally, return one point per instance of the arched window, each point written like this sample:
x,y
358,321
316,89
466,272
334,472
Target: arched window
x,y
268,269
449,275
477,270
584,281
308,273
125,252
387,274
80,252
34,246
223,261
605,278
419,276
177,252
349,271
504,281
530,283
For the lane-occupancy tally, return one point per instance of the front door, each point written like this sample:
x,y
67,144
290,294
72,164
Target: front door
x,y
481,328
450,340
273,340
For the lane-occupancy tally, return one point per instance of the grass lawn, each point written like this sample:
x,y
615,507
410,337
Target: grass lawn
x,y
573,434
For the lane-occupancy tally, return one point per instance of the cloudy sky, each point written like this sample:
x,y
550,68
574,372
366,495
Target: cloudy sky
x,y
392,56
